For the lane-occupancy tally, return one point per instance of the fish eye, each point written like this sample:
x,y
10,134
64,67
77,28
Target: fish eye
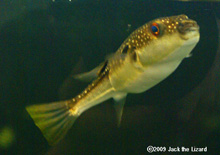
x,y
155,29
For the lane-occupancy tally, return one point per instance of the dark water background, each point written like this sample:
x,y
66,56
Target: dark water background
x,y
41,42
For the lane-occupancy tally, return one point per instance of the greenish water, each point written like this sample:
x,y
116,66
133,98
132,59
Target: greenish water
x,y
41,43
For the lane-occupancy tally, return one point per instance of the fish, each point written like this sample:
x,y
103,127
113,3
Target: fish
x,y
147,57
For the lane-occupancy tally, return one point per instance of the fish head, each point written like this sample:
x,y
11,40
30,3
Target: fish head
x,y
171,38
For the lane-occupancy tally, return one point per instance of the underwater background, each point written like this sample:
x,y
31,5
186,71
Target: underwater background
x,y
43,43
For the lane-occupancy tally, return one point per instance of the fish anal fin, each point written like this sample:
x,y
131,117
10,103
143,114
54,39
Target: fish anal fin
x,y
119,101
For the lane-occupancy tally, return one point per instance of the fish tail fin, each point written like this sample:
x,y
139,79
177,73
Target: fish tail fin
x,y
53,119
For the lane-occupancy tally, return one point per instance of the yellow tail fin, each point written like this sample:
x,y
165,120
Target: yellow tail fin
x,y
53,119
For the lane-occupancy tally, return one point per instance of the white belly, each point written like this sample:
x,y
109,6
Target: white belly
x,y
151,76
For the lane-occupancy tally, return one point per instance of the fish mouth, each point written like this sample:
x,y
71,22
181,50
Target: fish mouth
x,y
191,29
188,25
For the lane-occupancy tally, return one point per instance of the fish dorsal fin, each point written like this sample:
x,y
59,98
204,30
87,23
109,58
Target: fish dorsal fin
x,y
119,101
94,73
91,75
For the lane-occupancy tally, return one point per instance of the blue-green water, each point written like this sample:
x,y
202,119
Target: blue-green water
x,y
42,42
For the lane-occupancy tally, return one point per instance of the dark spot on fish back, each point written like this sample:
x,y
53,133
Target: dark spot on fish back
x,y
125,50
133,53
103,68
134,56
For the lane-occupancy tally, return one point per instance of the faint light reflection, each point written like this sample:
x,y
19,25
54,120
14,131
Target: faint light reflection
x,y
7,137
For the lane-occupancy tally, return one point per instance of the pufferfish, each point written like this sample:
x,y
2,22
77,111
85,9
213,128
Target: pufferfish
x,y
148,56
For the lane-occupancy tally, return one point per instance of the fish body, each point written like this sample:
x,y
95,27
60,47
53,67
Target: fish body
x,y
149,55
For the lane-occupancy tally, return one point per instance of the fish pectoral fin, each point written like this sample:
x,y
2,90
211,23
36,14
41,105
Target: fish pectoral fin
x,y
119,101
